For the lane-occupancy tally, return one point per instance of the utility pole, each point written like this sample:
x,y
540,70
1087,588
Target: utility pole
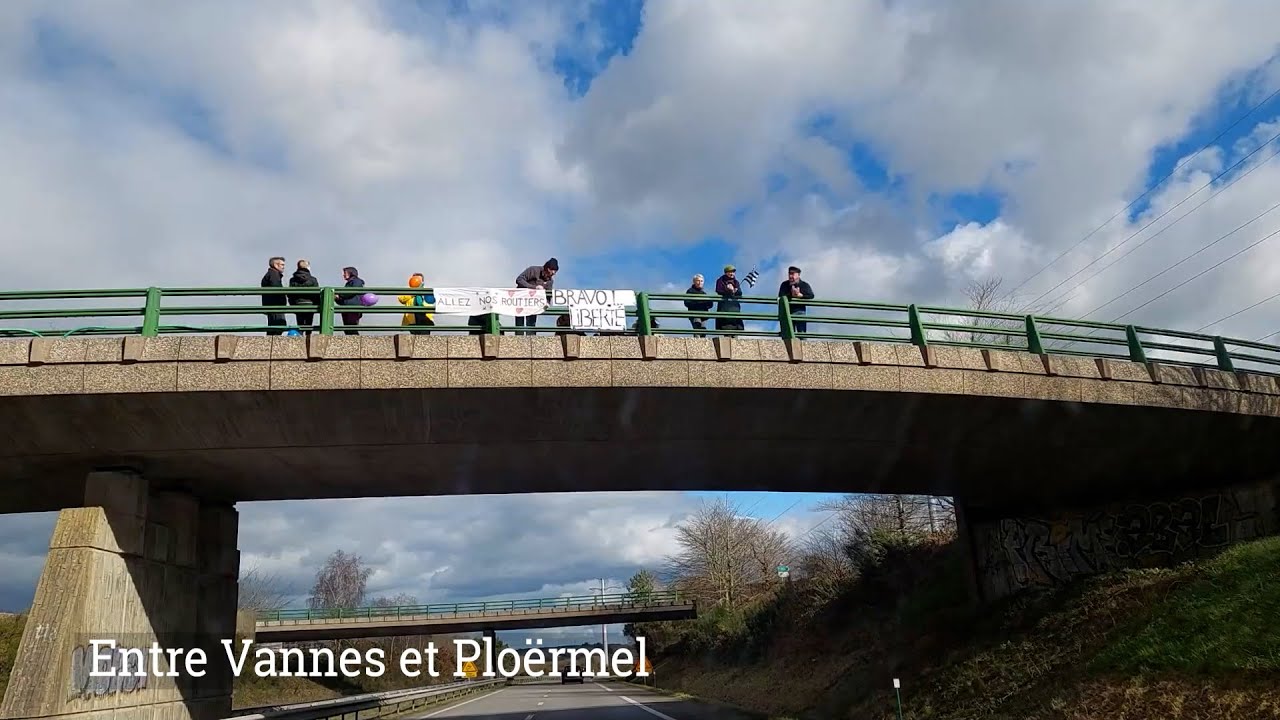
x,y
604,629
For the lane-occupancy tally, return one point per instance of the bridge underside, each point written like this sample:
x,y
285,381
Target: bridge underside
x,y
348,629
998,452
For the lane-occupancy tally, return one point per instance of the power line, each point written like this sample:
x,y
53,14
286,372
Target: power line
x,y
1199,274
1067,295
1203,247
1147,192
1228,317
1166,212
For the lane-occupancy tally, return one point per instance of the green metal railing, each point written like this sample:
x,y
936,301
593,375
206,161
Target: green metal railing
x,y
655,598
165,311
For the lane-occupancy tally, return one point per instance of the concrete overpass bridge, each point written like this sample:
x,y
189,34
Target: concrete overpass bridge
x,y
1070,446
487,616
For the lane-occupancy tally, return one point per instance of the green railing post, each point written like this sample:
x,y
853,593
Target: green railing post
x,y
643,318
1224,357
786,328
917,327
151,313
326,311
491,324
1034,343
1136,353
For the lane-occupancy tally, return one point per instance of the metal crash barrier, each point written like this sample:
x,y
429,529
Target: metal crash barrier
x,y
372,705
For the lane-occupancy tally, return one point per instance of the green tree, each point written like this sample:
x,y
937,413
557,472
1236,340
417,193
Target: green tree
x,y
642,585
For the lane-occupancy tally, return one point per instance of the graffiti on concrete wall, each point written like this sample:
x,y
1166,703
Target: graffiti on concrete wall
x,y
1018,553
126,670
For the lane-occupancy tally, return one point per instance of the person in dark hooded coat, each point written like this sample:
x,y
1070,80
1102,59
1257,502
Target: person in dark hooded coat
x,y
305,304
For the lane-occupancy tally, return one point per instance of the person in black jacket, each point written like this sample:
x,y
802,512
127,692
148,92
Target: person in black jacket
x,y
698,323
275,279
729,290
305,304
796,289
351,278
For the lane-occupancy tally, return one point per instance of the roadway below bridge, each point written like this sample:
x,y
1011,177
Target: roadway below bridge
x,y
611,700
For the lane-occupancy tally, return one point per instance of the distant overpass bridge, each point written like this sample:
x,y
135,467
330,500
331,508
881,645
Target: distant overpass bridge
x,y
489,616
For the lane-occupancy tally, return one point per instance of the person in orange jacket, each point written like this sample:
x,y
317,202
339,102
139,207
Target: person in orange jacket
x,y
418,322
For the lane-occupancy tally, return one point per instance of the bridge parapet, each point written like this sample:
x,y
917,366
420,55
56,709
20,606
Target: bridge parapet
x,y
66,366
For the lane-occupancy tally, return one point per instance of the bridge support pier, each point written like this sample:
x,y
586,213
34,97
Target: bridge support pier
x,y
1008,554
135,567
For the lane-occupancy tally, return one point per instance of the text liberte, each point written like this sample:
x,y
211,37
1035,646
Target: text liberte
x,y
111,661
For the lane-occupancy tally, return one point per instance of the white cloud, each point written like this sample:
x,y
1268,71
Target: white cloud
x,y
183,145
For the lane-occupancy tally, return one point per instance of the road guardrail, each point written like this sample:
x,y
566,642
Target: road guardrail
x,y
383,704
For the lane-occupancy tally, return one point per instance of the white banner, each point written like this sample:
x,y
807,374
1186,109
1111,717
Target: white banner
x,y
517,302
574,298
608,318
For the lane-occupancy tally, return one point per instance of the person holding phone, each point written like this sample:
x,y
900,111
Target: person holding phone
x,y
796,289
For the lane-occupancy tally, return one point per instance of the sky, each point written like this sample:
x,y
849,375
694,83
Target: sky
x,y
895,151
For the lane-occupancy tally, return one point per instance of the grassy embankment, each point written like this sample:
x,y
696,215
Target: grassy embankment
x,y
1201,640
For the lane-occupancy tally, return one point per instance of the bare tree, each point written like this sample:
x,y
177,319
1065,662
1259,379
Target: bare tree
x,y
340,583
260,591
823,562
401,600
983,296
726,557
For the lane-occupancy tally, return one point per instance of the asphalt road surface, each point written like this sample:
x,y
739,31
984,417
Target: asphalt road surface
x,y
588,701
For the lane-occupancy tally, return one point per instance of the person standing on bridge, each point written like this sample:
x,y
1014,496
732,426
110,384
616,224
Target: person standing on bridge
x,y
274,278
796,289
305,304
729,290
419,323
541,278
351,279
698,323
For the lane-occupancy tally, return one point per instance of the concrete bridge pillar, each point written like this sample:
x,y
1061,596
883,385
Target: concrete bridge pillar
x,y
135,567
1012,552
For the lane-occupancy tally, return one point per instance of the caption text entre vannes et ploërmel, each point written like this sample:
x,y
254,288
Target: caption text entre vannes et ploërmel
x,y
108,660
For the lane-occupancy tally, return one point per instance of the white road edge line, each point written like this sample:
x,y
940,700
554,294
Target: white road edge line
x,y
607,688
464,702
529,716
646,708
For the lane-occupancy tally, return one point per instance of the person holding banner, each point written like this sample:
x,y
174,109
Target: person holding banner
x,y
541,278
418,322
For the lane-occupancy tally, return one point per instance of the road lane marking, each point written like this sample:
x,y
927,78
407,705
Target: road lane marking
x,y
464,702
539,705
529,716
609,689
646,708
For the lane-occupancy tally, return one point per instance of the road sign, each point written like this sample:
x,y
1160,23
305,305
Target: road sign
x,y
648,666
469,668
783,571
